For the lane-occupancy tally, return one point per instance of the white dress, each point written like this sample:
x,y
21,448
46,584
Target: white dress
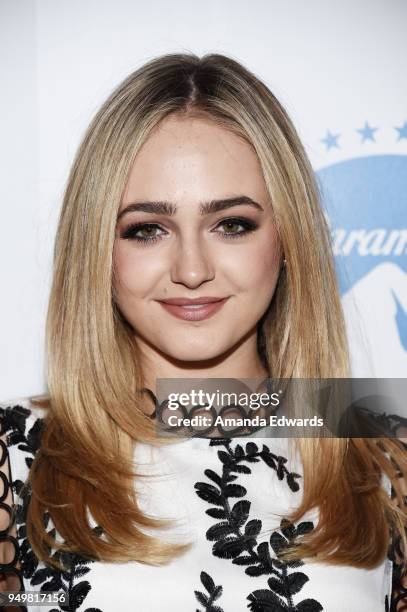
x,y
229,497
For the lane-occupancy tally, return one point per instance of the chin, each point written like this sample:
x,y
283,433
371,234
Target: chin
x,y
196,351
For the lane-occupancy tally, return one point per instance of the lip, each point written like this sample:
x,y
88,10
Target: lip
x,y
193,310
205,299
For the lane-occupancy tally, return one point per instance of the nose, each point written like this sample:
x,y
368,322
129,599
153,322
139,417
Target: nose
x,y
192,263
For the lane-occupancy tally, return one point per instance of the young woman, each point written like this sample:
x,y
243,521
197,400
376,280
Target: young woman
x,y
192,244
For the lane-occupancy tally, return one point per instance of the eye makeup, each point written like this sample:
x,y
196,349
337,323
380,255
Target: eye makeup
x,y
134,230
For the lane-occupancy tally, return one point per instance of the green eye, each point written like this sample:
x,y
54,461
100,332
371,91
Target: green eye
x,y
229,224
149,233
248,226
142,232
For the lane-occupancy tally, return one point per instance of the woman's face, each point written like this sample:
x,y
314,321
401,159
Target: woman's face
x,y
228,250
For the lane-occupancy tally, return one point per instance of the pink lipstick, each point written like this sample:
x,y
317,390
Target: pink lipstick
x,y
193,309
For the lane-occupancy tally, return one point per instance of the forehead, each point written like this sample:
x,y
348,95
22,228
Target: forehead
x,y
194,158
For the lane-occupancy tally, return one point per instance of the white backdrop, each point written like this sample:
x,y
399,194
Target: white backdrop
x,y
334,65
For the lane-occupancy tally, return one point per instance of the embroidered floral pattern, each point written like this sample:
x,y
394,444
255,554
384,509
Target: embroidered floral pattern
x,y
214,592
235,536
283,584
50,579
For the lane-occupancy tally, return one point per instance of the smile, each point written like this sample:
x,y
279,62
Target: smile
x,y
194,312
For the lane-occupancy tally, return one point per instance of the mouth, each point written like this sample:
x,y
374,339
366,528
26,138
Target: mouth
x,y
193,311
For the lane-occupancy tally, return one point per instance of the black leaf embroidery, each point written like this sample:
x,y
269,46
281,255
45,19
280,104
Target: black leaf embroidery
x,y
15,422
214,592
235,536
282,583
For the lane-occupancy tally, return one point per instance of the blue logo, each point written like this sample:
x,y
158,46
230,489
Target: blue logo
x,y
366,203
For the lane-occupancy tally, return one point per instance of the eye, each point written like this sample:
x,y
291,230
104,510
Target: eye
x,y
146,233
141,232
235,222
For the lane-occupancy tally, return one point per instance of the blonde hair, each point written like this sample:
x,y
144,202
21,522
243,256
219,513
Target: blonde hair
x,y
93,367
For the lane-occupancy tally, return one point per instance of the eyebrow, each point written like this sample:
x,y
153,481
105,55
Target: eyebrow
x,y
205,208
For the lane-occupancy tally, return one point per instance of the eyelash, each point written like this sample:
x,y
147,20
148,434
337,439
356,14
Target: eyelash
x,y
130,232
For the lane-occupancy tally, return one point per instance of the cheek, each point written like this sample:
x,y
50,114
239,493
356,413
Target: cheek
x,y
255,269
134,272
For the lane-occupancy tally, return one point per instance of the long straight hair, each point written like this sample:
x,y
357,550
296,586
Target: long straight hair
x,y
95,414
